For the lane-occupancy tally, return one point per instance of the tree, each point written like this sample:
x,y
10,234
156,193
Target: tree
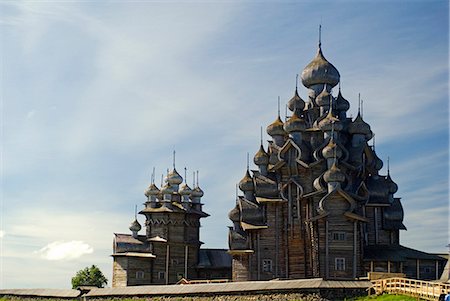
x,y
91,276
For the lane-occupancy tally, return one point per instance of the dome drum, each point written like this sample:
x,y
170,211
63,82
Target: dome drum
x,y
334,174
332,150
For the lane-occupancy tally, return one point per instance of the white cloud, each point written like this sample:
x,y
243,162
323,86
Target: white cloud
x,y
61,250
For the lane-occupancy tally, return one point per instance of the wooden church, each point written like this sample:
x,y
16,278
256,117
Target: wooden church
x,y
317,206
170,249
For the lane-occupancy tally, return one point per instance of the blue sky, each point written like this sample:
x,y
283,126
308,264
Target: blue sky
x,y
94,94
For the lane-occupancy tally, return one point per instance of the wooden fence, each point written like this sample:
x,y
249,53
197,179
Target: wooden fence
x,y
425,290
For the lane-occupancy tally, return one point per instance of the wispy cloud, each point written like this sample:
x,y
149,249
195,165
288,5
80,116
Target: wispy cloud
x,y
62,250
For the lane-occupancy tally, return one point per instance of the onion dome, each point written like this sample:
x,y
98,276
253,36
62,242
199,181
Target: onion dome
x,y
184,190
197,192
359,126
167,189
320,71
324,97
261,157
330,122
393,187
246,184
296,103
234,215
276,128
331,150
294,124
342,104
151,190
135,226
378,163
174,178
334,174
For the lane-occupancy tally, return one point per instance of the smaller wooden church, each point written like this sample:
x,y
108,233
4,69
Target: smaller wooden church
x,y
170,248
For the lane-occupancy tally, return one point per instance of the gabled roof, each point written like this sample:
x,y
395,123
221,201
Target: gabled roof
x,y
251,214
265,186
127,243
396,253
214,258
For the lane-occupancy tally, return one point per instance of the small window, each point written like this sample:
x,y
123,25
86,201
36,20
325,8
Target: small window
x,y
174,262
267,265
161,275
339,264
140,275
338,235
427,270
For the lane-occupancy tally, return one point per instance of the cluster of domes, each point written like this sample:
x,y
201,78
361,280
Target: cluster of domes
x,y
325,113
173,193
172,186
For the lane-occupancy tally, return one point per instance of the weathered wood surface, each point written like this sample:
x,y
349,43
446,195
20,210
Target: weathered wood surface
x,y
300,285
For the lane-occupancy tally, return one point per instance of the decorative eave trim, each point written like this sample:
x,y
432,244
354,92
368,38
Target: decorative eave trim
x,y
240,252
134,254
278,165
267,200
356,217
314,193
157,239
312,164
246,226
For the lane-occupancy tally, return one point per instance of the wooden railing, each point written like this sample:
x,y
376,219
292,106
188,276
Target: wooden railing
x,y
425,290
